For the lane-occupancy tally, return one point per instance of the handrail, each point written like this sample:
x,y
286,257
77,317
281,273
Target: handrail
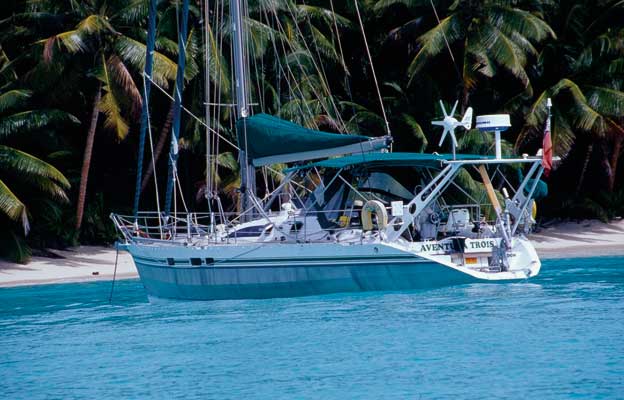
x,y
150,226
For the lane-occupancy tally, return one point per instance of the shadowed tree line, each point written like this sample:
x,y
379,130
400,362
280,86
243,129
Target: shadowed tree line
x,y
71,82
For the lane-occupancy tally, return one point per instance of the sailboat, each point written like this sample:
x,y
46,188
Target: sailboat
x,y
349,215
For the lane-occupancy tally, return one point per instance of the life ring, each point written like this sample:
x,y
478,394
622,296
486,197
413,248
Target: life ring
x,y
377,207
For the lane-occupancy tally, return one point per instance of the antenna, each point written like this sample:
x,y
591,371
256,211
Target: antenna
x,y
496,123
449,123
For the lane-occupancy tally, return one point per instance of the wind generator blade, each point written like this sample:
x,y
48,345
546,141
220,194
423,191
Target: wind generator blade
x,y
439,123
446,130
443,109
467,120
454,139
454,108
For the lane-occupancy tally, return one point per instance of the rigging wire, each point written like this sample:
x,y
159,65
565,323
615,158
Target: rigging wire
x,y
370,60
318,66
181,192
300,104
212,130
110,296
194,116
448,46
217,23
208,134
302,70
151,142
319,70
343,62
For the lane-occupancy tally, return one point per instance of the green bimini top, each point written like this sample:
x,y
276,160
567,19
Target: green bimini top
x,y
270,136
376,160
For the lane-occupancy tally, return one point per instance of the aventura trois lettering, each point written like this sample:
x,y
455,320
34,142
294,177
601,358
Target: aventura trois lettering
x,y
470,246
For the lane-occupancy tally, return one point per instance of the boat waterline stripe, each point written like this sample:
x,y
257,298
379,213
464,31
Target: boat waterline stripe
x,y
284,262
281,259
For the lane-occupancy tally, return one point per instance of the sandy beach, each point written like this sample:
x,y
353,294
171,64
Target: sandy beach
x,y
93,263
580,239
81,264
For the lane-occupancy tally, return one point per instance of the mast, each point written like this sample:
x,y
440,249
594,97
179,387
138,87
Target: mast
x,y
177,110
149,59
247,172
240,69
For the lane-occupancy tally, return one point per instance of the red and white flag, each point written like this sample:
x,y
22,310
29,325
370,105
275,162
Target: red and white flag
x,y
547,150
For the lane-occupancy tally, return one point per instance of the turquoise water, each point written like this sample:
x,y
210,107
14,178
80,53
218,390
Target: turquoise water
x,y
560,335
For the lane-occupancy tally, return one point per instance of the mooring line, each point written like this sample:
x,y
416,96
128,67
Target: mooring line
x,y
110,296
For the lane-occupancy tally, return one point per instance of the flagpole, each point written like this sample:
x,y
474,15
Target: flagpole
x,y
547,149
549,107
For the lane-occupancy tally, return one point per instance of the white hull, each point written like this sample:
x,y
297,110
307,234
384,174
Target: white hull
x,y
269,270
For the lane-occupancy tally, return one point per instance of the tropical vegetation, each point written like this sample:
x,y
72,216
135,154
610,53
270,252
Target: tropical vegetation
x,y
71,83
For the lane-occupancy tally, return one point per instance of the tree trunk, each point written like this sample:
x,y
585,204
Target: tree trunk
x,y
162,139
613,160
590,148
86,162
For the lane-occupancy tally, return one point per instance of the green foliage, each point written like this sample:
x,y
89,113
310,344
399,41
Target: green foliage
x,y
307,64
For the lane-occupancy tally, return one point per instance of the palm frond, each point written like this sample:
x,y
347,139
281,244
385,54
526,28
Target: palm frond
x,y
94,24
476,142
167,45
261,36
416,131
13,98
123,78
28,165
109,104
306,12
434,42
217,65
6,67
605,100
563,136
133,52
382,5
70,40
12,207
134,11
504,51
228,161
324,45
511,19
193,50
33,119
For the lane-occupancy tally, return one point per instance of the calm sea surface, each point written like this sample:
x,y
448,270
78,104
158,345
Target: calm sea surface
x,y
560,335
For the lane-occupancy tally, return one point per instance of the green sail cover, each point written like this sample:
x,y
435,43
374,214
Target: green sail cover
x,y
270,136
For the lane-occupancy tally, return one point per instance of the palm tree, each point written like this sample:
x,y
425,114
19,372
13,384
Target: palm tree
x,y
589,87
482,37
23,175
15,163
111,53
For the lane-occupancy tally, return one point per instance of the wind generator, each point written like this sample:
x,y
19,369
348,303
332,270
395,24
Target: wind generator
x,y
449,123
